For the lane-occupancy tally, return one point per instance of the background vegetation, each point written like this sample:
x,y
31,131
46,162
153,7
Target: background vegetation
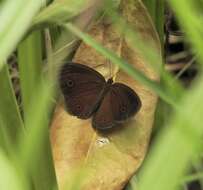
x,y
25,150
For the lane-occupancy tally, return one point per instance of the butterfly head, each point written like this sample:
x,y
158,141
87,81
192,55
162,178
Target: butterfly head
x,y
110,81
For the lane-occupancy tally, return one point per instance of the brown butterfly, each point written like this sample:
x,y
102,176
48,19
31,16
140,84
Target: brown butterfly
x,y
87,94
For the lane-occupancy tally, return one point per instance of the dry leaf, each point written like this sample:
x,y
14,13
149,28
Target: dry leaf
x,y
110,158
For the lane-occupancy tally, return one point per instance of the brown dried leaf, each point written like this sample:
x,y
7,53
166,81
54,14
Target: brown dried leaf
x,y
110,158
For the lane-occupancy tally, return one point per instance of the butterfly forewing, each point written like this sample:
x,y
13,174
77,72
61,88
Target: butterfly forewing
x,y
118,104
82,88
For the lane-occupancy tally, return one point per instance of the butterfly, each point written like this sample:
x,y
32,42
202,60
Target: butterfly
x,y
87,94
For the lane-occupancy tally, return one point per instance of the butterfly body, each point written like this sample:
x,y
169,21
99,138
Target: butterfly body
x,y
87,94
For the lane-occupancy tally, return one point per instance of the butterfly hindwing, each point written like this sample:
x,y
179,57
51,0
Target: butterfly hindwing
x,y
103,117
118,104
124,101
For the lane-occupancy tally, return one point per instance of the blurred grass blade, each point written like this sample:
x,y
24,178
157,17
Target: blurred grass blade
x,y
15,19
151,6
156,10
35,146
183,135
191,23
30,67
172,87
9,177
54,12
11,121
160,19
137,75
130,30
193,177
5,143
60,11
65,42
36,103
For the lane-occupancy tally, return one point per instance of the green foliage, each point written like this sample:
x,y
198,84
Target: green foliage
x,y
137,75
156,10
12,18
10,118
30,67
25,153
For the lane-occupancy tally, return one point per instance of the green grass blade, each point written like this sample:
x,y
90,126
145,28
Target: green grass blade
x,y
152,8
35,150
123,64
36,114
176,145
59,11
171,86
156,10
11,121
15,19
191,23
30,67
160,19
9,176
150,54
193,177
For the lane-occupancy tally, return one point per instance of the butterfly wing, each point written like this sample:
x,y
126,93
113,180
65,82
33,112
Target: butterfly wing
x,y
82,88
103,117
127,102
118,104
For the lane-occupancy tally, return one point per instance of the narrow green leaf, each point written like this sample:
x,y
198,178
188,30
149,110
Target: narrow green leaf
x,y
11,121
151,6
137,75
171,86
160,20
191,23
176,145
30,67
156,10
35,150
15,17
59,11
63,11
36,103
9,177
193,177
